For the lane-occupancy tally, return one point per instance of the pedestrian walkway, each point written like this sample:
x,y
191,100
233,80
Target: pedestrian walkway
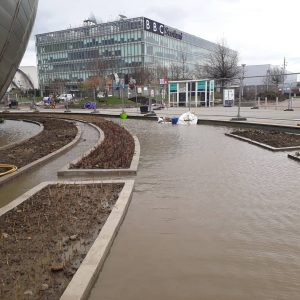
x,y
187,231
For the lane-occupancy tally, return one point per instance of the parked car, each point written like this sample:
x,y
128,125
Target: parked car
x,y
65,97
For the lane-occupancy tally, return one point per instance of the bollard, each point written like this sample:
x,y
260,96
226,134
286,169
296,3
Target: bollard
x,y
258,101
266,102
276,102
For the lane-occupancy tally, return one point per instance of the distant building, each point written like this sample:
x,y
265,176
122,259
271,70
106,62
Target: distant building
x,y
124,47
26,78
16,21
256,75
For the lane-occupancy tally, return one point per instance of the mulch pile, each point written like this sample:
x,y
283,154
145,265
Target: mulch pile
x,y
272,138
44,240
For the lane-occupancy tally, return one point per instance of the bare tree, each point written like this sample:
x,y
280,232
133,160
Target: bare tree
x,y
161,72
198,71
57,86
175,71
276,76
143,75
222,64
184,69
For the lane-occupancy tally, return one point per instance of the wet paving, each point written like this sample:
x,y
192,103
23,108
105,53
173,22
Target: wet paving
x,y
16,131
48,171
211,218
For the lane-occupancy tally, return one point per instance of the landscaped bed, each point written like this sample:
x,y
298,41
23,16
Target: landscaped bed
x,y
272,138
44,240
115,152
56,134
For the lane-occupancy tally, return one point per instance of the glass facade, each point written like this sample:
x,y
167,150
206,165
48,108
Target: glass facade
x,y
16,22
123,46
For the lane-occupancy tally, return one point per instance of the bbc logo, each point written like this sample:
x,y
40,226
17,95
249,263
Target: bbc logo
x,y
154,26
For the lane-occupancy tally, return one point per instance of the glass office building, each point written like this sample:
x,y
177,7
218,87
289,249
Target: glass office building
x,y
16,22
123,47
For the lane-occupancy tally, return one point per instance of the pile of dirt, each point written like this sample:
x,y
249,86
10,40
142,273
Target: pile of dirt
x,y
56,134
272,138
44,240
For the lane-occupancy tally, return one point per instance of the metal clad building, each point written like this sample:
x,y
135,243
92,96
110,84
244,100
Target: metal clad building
x,y
16,22
122,46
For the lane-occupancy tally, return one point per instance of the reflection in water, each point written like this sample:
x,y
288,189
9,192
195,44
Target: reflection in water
x,y
211,218
16,131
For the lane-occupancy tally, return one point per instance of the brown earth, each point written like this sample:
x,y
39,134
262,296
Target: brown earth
x,y
272,138
56,134
116,151
44,240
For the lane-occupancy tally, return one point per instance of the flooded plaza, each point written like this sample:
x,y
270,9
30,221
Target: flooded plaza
x,y
211,218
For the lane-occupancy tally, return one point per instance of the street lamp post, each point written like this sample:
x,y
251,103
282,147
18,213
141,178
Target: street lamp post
x,y
238,117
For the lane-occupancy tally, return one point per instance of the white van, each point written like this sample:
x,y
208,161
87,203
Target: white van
x,y
65,97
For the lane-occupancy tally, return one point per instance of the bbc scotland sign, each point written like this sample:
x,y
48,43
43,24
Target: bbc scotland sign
x,y
161,29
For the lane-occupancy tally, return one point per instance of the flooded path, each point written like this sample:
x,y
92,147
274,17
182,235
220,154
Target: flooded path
x,y
12,131
46,172
211,218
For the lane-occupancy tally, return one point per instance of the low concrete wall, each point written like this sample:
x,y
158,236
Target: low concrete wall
x,y
132,170
83,280
240,124
42,160
262,145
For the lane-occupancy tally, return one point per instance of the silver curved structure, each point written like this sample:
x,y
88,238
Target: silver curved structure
x,y
16,22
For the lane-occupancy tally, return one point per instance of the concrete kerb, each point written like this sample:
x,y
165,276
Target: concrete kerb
x,y
66,168
42,160
18,143
261,144
132,170
83,280
238,124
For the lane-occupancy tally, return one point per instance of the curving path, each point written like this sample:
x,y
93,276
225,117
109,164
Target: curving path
x,y
21,184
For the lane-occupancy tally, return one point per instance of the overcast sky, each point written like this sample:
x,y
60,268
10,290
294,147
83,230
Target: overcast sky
x,y
262,31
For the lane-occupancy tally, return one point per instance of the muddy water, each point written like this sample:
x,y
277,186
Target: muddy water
x,y
211,218
21,184
16,131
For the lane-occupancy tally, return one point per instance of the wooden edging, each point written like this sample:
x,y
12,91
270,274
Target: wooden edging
x,y
132,170
84,279
261,144
43,159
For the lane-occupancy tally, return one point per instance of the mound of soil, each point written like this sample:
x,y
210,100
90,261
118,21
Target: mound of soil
x,y
272,138
56,134
44,240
